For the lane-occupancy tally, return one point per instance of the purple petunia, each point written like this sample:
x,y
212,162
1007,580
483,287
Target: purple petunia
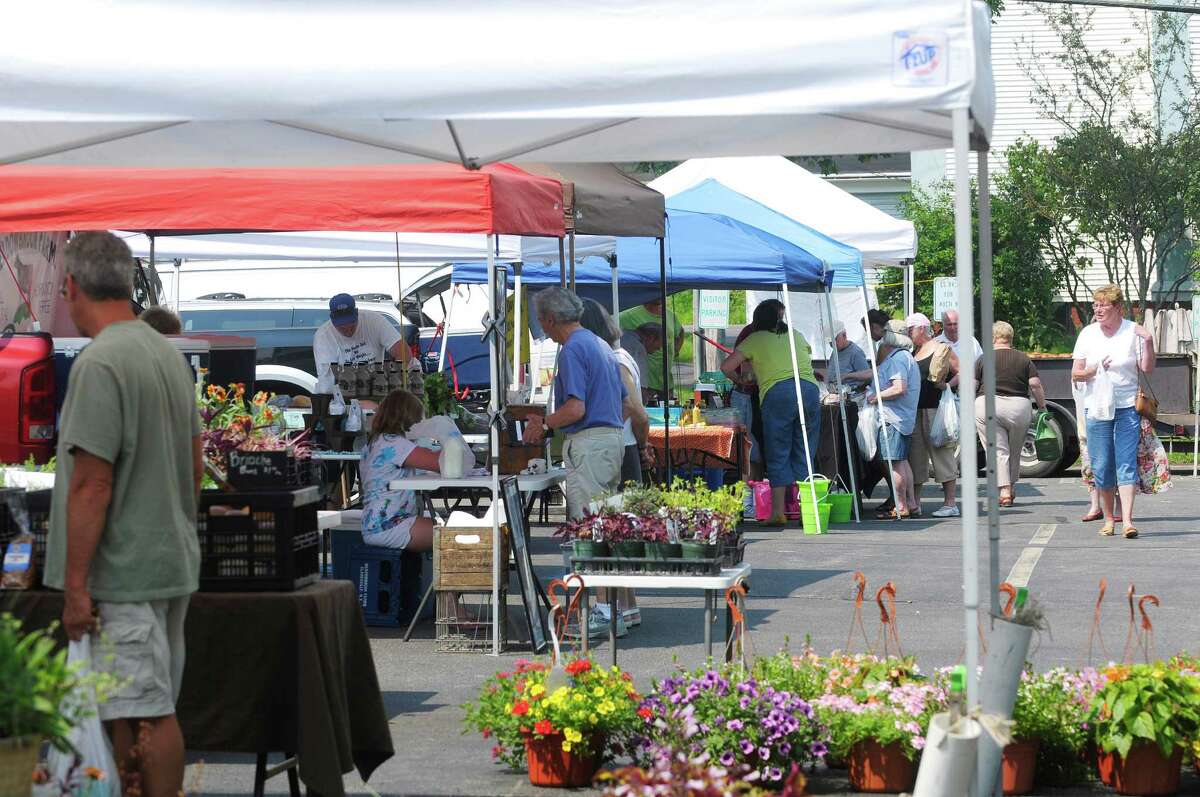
x,y
747,747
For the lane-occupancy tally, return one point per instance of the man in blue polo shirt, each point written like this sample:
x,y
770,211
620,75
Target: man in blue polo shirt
x,y
589,395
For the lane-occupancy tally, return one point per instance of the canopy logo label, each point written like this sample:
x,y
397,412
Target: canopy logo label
x,y
919,59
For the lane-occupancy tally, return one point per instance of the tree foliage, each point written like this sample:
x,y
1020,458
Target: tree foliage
x,y
1024,283
1116,189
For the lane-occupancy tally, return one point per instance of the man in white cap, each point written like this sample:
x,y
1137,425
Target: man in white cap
x,y
850,355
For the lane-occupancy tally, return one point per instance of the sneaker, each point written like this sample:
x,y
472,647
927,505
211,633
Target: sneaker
x,y
597,627
632,617
947,511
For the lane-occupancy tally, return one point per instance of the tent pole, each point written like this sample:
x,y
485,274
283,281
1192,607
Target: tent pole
x,y
178,277
837,376
812,484
872,356
616,308
571,252
667,344
966,389
152,268
518,340
446,328
562,264
987,318
498,567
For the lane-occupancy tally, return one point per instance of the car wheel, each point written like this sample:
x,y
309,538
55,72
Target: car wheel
x,y
1031,466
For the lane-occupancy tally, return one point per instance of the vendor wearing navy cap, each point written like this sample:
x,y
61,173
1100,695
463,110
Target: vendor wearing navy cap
x,y
353,336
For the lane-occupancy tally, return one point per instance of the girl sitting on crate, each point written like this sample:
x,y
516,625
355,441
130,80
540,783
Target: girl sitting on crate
x,y
390,517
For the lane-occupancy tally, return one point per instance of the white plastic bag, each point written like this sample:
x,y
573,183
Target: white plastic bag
x,y
88,738
944,429
868,427
337,404
440,427
1102,406
354,417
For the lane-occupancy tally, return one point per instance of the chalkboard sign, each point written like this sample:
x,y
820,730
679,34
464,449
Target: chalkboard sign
x,y
531,588
258,470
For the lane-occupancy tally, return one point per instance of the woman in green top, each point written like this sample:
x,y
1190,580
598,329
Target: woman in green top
x,y
770,356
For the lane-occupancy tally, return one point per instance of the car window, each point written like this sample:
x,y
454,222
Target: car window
x,y
235,320
309,317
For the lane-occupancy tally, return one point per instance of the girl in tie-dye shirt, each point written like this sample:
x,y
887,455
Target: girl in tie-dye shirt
x,y
390,517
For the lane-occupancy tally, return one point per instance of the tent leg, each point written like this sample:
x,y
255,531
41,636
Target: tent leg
x,y
518,340
812,484
667,345
987,313
571,254
562,264
499,568
616,307
837,375
966,388
871,355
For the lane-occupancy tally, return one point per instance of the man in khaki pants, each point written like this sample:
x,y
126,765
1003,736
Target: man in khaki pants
x,y
588,393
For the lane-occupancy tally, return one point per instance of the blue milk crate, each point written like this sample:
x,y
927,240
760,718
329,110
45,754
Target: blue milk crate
x,y
387,581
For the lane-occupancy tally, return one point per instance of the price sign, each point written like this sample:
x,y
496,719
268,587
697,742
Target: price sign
x,y
293,420
945,296
713,310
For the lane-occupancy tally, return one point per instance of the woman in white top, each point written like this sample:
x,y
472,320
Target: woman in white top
x,y
1113,348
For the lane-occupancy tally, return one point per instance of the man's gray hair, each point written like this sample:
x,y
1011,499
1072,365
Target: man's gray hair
x,y
559,305
101,265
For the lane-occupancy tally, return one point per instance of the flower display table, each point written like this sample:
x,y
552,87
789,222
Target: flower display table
x,y
713,588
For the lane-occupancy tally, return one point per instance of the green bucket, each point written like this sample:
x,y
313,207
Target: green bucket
x,y
804,491
815,522
841,507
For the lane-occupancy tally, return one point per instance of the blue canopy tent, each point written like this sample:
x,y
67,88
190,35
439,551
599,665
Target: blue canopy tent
x,y
703,250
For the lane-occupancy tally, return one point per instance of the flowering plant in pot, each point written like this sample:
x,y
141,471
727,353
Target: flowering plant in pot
x,y
881,733
1050,731
675,773
580,536
738,723
1143,718
563,729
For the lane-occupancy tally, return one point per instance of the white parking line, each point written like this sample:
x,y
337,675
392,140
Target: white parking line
x,y
1043,534
1022,570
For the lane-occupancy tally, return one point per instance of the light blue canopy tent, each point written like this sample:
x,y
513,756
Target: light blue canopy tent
x,y
706,250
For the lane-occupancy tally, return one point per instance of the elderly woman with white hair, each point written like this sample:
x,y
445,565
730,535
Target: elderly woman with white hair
x,y
938,366
1016,378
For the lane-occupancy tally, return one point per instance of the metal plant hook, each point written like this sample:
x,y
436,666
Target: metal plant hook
x,y
1097,632
1147,632
859,599
1131,634
887,629
1011,592
565,603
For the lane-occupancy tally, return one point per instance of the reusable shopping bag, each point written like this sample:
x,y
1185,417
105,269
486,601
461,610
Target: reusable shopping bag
x,y
1103,406
944,430
1045,441
868,425
91,770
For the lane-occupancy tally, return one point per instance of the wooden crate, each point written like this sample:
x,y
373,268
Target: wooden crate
x,y
462,557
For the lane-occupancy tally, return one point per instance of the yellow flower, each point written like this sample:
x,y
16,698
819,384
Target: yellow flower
x,y
577,697
606,707
566,746
537,689
572,735
598,691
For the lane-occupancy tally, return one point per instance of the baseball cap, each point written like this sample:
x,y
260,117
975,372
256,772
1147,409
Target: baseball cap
x,y
342,309
917,320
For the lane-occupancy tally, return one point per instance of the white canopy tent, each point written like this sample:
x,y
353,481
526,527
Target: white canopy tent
x,y
325,84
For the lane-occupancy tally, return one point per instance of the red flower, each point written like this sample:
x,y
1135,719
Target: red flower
x,y
520,686
520,709
487,733
645,713
544,727
579,666
502,675
496,752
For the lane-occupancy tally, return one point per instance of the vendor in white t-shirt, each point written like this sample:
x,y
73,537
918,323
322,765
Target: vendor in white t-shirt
x,y
353,337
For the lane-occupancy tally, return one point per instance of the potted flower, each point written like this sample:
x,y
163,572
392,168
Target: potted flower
x,y
881,736
580,536
1143,718
1049,732
657,539
623,535
562,732
744,726
675,773
42,700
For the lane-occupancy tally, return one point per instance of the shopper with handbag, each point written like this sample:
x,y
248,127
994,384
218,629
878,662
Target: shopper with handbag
x,y
1112,357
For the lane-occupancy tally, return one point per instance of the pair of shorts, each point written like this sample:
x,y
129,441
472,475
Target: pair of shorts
x,y
142,645
892,445
396,534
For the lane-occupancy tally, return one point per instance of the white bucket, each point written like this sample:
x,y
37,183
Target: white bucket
x,y
1008,648
948,761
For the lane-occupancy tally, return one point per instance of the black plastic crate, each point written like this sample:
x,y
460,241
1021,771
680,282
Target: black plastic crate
x,y
259,541
644,566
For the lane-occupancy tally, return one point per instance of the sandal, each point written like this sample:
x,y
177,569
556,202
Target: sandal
x,y
1090,516
885,513
1107,530
1006,500
898,514
1130,533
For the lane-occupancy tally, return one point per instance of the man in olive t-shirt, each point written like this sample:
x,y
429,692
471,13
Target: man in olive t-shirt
x,y
123,518
651,313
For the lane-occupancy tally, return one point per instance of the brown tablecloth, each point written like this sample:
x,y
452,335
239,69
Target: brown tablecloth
x,y
273,672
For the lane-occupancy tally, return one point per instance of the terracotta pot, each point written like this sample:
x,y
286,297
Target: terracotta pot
x,y
18,758
549,765
1145,771
1019,766
877,769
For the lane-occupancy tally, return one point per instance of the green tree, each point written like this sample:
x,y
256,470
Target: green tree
x,y
1024,283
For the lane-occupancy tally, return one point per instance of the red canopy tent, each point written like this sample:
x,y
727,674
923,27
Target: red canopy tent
x,y
434,198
